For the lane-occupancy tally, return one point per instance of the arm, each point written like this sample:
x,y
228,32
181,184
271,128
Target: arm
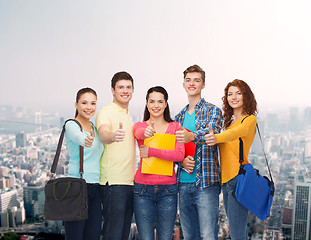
x,y
143,130
188,164
176,155
182,135
74,133
215,121
103,125
241,130
107,137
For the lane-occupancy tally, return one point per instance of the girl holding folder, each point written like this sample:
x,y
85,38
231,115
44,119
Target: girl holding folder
x,y
155,189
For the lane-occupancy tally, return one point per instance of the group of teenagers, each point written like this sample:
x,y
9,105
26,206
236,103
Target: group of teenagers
x,y
115,191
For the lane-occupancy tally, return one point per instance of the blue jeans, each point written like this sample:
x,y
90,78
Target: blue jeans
x,y
117,211
199,211
236,213
90,228
155,202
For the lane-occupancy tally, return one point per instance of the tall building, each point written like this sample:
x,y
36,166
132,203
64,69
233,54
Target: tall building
x,y
307,116
34,200
4,172
2,183
302,209
8,200
307,149
272,122
20,139
293,119
38,121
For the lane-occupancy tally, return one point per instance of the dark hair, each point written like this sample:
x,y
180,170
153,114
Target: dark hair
x,y
159,89
195,68
121,76
81,92
249,101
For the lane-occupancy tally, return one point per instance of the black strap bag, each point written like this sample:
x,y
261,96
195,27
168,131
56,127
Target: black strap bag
x,y
66,198
254,191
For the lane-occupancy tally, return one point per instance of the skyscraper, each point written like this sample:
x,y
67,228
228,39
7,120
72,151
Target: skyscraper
x,y
8,199
302,209
34,200
307,116
20,139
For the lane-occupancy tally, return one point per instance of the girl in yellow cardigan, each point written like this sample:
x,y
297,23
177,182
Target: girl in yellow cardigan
x,y
239,106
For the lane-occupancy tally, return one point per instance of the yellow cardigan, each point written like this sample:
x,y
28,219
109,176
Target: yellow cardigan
x,y
228,142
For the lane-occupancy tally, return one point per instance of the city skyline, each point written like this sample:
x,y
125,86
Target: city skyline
x,y
27,157
49,50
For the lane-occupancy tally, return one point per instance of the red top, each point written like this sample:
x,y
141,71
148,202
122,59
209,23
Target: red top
x,y
176,155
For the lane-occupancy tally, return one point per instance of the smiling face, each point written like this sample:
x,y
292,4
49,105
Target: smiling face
x,y
122,92
235,98
86,105
193,83
156,104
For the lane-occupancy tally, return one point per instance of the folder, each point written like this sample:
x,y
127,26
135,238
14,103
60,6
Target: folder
x,y
153,165
189,148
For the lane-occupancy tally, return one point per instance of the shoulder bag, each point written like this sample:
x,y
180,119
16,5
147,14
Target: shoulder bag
x,y
66,198
253,191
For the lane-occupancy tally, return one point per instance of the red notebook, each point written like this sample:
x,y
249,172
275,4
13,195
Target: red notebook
x,y
189,148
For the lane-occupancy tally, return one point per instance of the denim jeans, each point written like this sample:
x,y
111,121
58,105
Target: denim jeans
x,y
199,211
236,213
90,228
117,211
155,202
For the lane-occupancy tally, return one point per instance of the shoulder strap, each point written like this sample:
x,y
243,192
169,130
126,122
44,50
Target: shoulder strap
x,y
59,146
241,153
264,152
241,158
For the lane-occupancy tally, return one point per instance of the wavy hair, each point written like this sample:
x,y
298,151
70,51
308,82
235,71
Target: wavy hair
x,y
249,101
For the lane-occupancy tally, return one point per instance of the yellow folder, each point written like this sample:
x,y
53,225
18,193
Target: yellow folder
x,y
153,165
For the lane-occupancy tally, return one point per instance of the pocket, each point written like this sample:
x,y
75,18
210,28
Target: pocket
x,y
233,182
139,189
202,123
171,189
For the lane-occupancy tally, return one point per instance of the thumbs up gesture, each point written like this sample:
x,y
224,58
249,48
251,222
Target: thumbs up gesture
x,y
149,131
183,136
119,134
210,138
89,139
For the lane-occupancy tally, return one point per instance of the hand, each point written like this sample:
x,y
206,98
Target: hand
x,y
188,164
143,151
89,139
119,134
183,136
210,138
149,131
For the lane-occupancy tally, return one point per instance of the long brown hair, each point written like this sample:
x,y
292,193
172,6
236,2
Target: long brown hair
x,y
249,101
159,89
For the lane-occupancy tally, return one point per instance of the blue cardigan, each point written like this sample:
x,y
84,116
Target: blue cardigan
x,y
91,167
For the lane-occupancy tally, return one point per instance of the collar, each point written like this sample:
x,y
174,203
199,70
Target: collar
x,y
118,108
201,103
